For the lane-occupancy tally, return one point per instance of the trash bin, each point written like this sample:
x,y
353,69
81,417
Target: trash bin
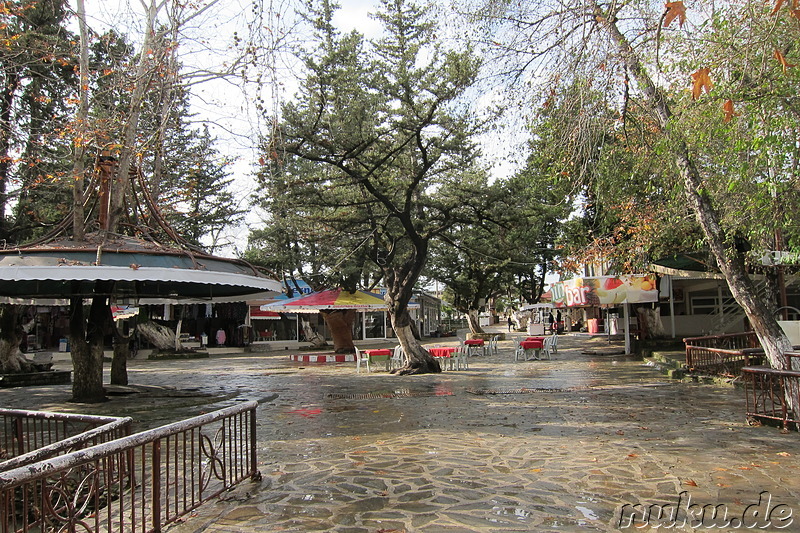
x,y
63,345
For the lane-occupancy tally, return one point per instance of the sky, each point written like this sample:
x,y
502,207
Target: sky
x,y
206,43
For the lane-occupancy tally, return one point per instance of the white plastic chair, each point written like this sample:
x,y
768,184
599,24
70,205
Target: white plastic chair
x,y
461,358
361,357
547,347
493,345
399,359
519,352
555,343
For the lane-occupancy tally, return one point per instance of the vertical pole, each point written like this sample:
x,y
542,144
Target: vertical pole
x,y
253,444
627,319
156,495
671,305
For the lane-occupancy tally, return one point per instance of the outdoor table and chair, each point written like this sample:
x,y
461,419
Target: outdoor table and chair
x,y
472,345
453,357
370,357
534,348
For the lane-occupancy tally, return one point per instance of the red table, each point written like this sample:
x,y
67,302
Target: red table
x,y
442,351
540,339
475,343
381,354
533,344
378,352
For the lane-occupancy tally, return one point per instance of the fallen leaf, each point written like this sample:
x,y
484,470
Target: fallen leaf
x,y
701,80
535,470
620,432
632,455
675,10
784,454
778,5
690,482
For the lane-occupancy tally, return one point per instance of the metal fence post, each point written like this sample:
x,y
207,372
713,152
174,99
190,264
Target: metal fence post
x,y
156,495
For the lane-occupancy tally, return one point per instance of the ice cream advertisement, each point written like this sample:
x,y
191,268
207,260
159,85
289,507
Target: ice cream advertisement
x,y
605,290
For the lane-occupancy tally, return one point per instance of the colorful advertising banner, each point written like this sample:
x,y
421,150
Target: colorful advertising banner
x,y
605,290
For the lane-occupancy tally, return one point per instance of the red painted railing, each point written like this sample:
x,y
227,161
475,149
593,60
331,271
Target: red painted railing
x,y
138,483
723,354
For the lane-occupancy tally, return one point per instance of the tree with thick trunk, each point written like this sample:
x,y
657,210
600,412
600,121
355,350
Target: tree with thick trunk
x,y
87,341
760,312
384,126
12,360
340,325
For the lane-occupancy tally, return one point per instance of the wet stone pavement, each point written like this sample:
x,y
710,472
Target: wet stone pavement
x,y
571,444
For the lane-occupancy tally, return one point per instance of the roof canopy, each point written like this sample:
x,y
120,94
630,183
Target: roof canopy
x,y
136,269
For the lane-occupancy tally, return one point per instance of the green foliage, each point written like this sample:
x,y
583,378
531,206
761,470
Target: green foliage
x,y
374,138
37,80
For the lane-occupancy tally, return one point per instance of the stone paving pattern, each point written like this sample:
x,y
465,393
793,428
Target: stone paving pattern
x,y
563,446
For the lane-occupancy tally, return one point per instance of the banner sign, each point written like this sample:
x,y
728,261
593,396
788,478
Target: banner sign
x,y
605,290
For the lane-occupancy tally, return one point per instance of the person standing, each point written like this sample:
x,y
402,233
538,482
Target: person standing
x,y
221,337
509,323
551,321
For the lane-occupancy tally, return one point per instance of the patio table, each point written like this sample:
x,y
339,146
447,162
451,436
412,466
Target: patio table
x,y
381,354
475,343
532,345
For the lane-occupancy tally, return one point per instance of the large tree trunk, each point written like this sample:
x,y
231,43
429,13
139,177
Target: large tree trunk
x,y
160,336
420,360
760,313
474,322
340,324
650,324
122,352
12,360
316,340
87,349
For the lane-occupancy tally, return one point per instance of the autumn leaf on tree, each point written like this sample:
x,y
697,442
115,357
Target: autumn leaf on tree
x,y
701,80
729,110
778,5
675,10
782,60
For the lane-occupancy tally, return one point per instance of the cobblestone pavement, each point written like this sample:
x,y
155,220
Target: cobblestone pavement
x,y
564,445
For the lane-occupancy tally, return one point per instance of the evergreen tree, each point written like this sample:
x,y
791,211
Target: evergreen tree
x,y
37,87
387,124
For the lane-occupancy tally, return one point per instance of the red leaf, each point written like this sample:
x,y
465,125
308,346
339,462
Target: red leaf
x,y
729,110
782,60
675,10
701,80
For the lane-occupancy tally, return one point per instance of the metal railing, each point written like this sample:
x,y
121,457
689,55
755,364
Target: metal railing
x,y
771,394
722,354
138,483
29,436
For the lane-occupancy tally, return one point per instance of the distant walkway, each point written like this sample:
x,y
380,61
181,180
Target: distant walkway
x,y
561,445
